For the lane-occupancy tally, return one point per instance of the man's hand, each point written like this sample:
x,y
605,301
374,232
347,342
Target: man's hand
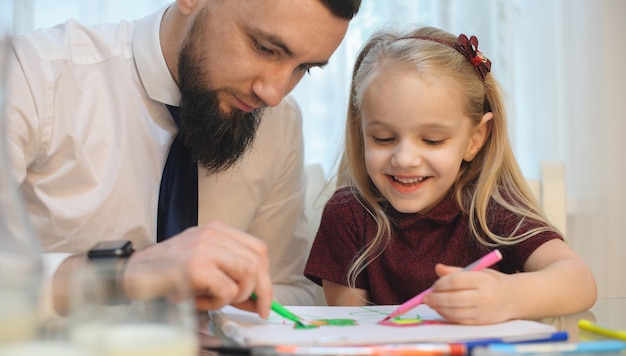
x,y
222,266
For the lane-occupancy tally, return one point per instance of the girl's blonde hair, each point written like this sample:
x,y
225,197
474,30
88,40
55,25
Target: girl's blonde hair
x,y
493,176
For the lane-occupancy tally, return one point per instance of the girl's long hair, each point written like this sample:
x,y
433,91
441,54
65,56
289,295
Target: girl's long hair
x,y
493,176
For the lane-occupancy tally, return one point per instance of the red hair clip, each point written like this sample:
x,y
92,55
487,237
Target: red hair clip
x,y
469,48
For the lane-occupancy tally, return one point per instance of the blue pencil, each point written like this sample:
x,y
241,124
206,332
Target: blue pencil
x,y
552,337
589,347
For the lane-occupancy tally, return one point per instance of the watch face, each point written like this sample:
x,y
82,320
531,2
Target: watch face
x,y
111,249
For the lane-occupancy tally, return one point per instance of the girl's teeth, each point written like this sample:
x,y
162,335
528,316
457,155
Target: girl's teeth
x,y
409,181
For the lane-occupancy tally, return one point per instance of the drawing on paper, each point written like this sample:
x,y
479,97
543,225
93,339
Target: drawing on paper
x,y
366,313
252,330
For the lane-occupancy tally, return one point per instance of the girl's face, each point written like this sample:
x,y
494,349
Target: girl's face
x,y
416,137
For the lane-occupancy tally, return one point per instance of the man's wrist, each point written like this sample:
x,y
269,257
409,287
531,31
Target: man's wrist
x,y
111,258
61,282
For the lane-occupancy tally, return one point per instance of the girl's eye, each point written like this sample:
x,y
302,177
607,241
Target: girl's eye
x,y
434,142
382,140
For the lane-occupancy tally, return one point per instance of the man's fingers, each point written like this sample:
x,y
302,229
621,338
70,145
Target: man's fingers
x,y
264,295
243,260
223,265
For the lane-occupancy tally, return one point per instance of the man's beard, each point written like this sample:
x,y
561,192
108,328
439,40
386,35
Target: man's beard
x,y
216,139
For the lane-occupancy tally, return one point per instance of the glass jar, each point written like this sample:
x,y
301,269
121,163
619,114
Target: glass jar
x,y
20,251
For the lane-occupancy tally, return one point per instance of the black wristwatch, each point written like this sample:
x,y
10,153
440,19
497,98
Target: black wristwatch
x,y
111,249
111,256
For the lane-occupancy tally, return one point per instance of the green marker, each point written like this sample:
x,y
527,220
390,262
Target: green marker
x,y
282,311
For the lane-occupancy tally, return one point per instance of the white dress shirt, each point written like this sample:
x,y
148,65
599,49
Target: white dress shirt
x,y
89,134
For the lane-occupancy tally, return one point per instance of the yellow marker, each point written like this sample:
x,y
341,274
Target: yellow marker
x,y
591,327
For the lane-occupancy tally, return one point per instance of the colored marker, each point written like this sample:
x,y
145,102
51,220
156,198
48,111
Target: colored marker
x,y
526,339
486,261
419,349
558,347
596,329
285,313
374,350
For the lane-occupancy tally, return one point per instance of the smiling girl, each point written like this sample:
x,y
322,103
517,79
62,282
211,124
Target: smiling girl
x,y
429,183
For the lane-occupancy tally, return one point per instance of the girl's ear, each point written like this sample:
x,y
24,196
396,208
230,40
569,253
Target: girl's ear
x,y
479,136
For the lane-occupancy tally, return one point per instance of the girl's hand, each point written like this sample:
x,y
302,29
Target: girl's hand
x,y
470,297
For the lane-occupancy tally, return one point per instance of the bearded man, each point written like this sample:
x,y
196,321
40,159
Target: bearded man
x,y
173,129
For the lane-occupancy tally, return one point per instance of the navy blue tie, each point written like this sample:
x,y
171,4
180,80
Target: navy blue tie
x,y
178,196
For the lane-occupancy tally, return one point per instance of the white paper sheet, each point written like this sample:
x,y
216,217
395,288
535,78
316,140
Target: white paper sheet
x,y
248,329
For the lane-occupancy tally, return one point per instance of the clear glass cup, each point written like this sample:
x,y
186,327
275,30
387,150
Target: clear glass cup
x,y
152,315
22,330
20,261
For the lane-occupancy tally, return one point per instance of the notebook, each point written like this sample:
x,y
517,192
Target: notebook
x,y
423,324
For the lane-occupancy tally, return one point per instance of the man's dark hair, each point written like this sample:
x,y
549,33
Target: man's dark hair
x,y
346,9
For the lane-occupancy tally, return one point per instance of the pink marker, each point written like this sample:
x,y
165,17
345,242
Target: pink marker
x,y
486,261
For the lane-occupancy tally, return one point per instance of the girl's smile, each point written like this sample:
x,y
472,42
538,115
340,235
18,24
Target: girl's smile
x,y
406,184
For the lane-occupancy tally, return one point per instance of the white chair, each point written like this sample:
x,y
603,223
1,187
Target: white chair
x,y
549,190
318,191
553,196
316,196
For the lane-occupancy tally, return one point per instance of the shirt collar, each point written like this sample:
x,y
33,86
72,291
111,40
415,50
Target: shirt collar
x,y
153,71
